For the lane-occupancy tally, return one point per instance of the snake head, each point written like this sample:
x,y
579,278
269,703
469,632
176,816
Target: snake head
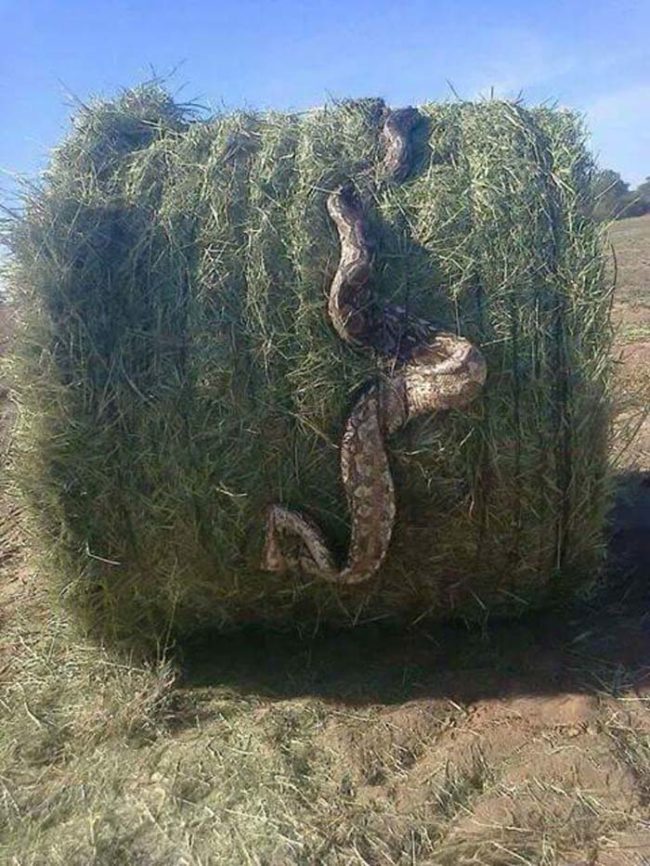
x,y
403,120
285,552
273,559
345,204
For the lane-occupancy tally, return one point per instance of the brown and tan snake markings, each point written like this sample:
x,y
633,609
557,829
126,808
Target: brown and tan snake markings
x,y
426,370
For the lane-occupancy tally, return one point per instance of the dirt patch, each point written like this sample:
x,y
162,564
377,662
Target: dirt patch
x,y
637,355
526,744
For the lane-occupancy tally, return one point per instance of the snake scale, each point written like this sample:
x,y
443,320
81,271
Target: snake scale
x,y
425,369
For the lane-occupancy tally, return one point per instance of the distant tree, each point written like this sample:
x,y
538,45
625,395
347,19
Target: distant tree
x,y
638,200
642,196
643,189
613,198
611,194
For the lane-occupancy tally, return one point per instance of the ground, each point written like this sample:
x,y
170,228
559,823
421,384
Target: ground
x,y
528,743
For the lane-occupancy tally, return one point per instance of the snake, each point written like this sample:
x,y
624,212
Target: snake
x,y
424,369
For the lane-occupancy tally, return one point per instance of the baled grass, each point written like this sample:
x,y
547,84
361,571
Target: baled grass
x,y
176,371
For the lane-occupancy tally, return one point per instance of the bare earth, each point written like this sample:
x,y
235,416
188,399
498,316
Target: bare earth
x,y
526,744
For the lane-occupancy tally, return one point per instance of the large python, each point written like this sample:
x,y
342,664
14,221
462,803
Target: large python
x,y
425,369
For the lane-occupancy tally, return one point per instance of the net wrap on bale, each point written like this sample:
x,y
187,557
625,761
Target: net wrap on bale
x,y
177,372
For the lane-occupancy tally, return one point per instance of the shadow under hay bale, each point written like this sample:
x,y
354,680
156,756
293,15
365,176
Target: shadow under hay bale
x,y
177,372
602,641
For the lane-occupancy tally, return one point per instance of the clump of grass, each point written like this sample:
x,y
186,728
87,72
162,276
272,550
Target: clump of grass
x,y
632,745
103,761
176,371
461,784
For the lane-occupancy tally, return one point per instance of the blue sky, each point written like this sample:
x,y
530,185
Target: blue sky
x,y
590,55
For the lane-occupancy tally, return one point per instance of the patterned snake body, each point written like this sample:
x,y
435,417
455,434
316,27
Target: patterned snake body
x,y
426,369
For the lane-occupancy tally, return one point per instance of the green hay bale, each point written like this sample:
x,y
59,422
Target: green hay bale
x,y
177,373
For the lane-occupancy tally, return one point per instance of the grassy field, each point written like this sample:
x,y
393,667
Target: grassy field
x,y
632,256
528,743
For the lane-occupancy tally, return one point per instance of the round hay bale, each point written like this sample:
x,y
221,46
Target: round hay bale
x,y
177,372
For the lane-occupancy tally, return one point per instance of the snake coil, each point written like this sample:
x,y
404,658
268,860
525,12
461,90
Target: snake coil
x,y
426,370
